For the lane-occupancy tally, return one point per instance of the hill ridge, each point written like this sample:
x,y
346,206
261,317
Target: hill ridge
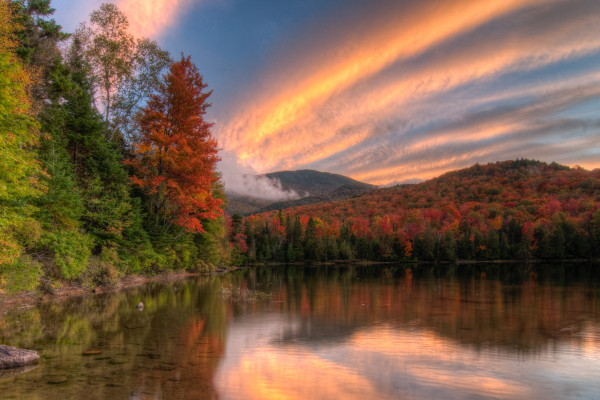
x,y
516,209
313,186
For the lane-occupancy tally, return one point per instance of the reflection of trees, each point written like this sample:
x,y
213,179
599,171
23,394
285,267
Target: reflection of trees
x,y
514,307
169,349
182,352
173,347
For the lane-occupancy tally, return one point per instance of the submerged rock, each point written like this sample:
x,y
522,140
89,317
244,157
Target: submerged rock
x,y
11,357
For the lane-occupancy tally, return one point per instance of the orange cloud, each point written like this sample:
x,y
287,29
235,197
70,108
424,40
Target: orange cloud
x,y
151,18
395,41
388,83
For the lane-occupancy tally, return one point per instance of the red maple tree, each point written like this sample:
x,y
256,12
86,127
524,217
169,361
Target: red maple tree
x,y
175,156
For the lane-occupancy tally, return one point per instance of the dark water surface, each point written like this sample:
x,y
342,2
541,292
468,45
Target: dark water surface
x,y
377,332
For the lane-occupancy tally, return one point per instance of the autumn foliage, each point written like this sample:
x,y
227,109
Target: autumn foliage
x,y
89,197
507,210
175,156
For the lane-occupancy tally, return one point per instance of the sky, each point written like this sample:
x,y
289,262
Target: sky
x,y
384,91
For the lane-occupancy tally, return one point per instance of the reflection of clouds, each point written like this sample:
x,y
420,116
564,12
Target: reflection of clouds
x,y
417,93
386,362
591,340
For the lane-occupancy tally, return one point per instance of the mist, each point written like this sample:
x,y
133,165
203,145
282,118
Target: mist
x,y
242,180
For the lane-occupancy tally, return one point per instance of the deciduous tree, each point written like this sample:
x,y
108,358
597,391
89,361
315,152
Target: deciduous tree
x,y
176,155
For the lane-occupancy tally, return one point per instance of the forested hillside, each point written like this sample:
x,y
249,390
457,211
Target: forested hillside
x,y
507,210
107,166
311,186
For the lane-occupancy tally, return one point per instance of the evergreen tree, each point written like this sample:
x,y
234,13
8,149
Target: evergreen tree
x,y
297,244
448,247
492,245
595,234
333,252
311,241
20,173
38,37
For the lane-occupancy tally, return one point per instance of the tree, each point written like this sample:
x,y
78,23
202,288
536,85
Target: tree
x,y
125,70
38,37
20,172
148,64
175,157
110,50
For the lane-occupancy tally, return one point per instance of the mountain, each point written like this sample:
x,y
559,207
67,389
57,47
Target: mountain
x,y
312,187
343,192
308,182
517,209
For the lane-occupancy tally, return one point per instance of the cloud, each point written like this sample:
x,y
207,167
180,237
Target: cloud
x,y
488,128
151,18
423,87
242,180
147,18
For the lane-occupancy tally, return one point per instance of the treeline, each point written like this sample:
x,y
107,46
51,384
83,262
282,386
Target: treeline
x,y
103,171
517,210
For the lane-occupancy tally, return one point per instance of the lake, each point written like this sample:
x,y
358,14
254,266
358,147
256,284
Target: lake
x,y
338,332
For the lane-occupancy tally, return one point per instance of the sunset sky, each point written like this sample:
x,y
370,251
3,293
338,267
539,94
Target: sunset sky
x,y
386,90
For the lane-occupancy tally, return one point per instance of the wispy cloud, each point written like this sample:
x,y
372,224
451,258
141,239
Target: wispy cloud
x,y
242,180
423,87
151,18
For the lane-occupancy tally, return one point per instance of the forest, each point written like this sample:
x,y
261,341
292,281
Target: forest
x,y
511,210
108,168
107,165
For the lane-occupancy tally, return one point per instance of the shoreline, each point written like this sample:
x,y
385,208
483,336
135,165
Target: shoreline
x,y
24,300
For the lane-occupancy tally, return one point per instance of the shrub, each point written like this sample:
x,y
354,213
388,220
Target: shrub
x,y
20,275
100,273
71,251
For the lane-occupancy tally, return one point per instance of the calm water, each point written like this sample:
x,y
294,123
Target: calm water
x,y
378,332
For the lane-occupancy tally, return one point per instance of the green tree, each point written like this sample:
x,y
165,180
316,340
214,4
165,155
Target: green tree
x,y
448,247
310,242
492,245
149,62
20,173
38,37
595,233
110,50
125,70
333,252
297,244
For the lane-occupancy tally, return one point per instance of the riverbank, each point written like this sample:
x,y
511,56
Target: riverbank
x,y
25,300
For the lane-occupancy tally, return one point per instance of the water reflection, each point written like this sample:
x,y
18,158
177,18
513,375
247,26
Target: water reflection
x,y
396,333
493,331
102,346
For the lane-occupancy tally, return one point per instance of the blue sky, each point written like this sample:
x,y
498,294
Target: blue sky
x,y
386,91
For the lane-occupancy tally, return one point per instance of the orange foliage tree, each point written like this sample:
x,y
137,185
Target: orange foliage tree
x,y
175,156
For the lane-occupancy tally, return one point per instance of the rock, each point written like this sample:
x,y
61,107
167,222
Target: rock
x,y
140,306
5,373
11,357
